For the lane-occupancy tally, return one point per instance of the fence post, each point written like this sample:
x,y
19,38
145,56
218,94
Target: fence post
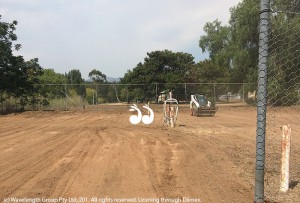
x,y
185,95
285,157
215,98
156,94
127,92
1,100
243,92
261,101
97,96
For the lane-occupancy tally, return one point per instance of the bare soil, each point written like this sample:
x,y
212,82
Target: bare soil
x,y
85,154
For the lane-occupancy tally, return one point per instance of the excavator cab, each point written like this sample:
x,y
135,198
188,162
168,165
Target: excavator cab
x,y
201,99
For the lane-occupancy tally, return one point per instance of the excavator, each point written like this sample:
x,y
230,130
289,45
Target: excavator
x,y
200,106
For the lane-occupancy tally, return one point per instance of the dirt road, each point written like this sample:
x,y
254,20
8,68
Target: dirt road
x,y
81,155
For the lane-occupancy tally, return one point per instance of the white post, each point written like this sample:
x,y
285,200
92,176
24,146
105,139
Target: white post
x,y
285,156
172,115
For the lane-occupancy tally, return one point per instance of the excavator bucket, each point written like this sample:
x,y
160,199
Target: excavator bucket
x,y
207,111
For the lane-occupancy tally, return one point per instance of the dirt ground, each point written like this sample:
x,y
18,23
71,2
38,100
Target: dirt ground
x,y
99,156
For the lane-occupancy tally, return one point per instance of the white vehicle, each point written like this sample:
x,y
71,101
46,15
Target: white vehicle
x,y
200,106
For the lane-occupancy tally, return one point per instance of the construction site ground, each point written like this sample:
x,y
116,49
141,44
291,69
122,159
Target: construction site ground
x,y
86,154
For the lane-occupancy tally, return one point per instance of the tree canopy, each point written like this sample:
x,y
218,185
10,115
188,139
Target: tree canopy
x,y
18,78
233,57
97,76
74,77
163,67
234,48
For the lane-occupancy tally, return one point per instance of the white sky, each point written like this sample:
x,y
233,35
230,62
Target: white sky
x,y
109,35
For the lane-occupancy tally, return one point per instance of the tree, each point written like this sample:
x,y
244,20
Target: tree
x,y
97,76
161,67
216,41
158,67
74,77
233,49
17,78
284,58
28,87
207,72
7,37
244,23
48,78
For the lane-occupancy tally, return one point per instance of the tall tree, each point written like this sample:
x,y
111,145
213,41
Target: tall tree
x,y
49,76
234,48
207,72
97,76
159,67
244,23
284,58
7,72
28,84
216,42
17,77
74,77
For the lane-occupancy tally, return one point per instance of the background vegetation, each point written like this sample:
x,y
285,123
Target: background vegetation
x,y
233,58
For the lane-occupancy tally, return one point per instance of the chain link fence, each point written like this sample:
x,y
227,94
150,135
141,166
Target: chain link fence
x,y
277,165
94,96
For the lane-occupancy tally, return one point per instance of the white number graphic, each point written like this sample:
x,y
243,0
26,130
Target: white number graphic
x,y
135,119
146,119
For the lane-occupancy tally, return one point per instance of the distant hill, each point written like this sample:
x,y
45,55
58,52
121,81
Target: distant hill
x,y
111,79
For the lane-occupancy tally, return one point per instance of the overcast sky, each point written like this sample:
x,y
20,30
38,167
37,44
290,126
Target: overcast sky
x,y
109,35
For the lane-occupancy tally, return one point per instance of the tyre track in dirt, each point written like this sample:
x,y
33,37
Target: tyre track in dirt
x,y
15,177
62,171
43,154
156,154
102,154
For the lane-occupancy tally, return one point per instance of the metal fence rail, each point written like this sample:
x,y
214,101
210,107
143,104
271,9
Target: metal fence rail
x,y
90,96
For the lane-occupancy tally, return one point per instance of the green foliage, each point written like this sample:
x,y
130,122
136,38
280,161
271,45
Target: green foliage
x,y
284,58
90,95
74,77
216,42
244,23
7,72
233,49
158,67
207,72
49,76
97,76
18,78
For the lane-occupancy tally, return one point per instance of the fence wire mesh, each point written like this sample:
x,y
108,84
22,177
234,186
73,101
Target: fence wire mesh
x,y
95,96
283,89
